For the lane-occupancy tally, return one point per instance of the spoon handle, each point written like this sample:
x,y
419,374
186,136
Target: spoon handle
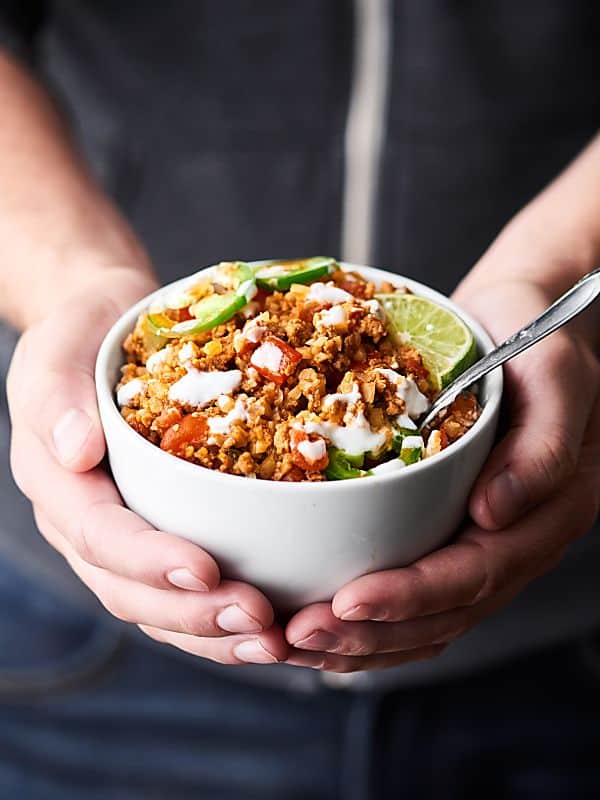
x,y
560,312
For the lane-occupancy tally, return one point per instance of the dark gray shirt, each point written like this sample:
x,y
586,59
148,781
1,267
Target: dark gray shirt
x,y
222,130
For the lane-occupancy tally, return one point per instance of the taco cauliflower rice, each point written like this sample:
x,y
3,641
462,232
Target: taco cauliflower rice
x,y
284,371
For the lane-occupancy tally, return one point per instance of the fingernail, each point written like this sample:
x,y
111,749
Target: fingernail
x,y
506,496
318,640
252,652
183,578
234,619
358,613
70,434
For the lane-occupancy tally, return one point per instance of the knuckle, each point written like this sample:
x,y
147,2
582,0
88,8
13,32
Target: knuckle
x,y
84,542
409,595
360,647
556,458
488,579
194,622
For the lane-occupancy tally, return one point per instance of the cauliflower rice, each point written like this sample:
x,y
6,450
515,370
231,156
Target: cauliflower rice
x,y
301,384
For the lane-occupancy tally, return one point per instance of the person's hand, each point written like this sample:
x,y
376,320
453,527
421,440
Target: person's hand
x,y
539,490
166,585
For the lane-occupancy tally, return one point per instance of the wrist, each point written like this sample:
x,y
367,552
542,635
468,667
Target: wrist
x,y
90,280
506,305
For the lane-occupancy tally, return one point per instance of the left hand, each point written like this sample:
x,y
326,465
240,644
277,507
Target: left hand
x,y
538,491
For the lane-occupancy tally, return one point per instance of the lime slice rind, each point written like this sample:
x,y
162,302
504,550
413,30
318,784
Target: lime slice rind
x,y
443,340
280,275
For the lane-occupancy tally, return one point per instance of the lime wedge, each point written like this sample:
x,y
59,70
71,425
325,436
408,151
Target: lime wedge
x,y
444,342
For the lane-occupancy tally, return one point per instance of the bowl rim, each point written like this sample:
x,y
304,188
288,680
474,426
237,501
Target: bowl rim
x,y
124,324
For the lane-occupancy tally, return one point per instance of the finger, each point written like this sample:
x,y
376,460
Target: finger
x,y
268,648
116,539
328,662
51,385
316,628
233,607
86,508
478,565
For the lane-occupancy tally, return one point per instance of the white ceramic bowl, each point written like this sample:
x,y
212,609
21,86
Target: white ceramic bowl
x,y
298,542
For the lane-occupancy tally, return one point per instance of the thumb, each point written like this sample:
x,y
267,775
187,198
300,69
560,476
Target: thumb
x,y
51,388
550,390
541,447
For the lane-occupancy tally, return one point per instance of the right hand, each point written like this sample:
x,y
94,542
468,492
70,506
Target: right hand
x,y
169,587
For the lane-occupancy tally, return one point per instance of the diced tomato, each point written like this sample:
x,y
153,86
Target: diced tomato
x,y
308,311
300,460
275,359
443,439
168,418
191,430
351,282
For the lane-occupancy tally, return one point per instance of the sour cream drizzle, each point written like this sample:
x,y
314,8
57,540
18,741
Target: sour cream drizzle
x,y
130,390
406,389
395,465
186,354
328,294
312,451
156,360
331,318
413,443
349,398
354,438
268,356
201,388
222,425
404,421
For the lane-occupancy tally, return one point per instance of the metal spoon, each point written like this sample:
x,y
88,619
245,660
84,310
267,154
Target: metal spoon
x,y
565,308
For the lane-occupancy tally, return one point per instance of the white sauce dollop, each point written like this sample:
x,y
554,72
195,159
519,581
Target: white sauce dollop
x,y
186,354
413,443
130,390
201,388
395,465
404,421
268,356
374,308
253,331
156,360
415,402
312,451
333,317
328,294
354,438
222,425
349,398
